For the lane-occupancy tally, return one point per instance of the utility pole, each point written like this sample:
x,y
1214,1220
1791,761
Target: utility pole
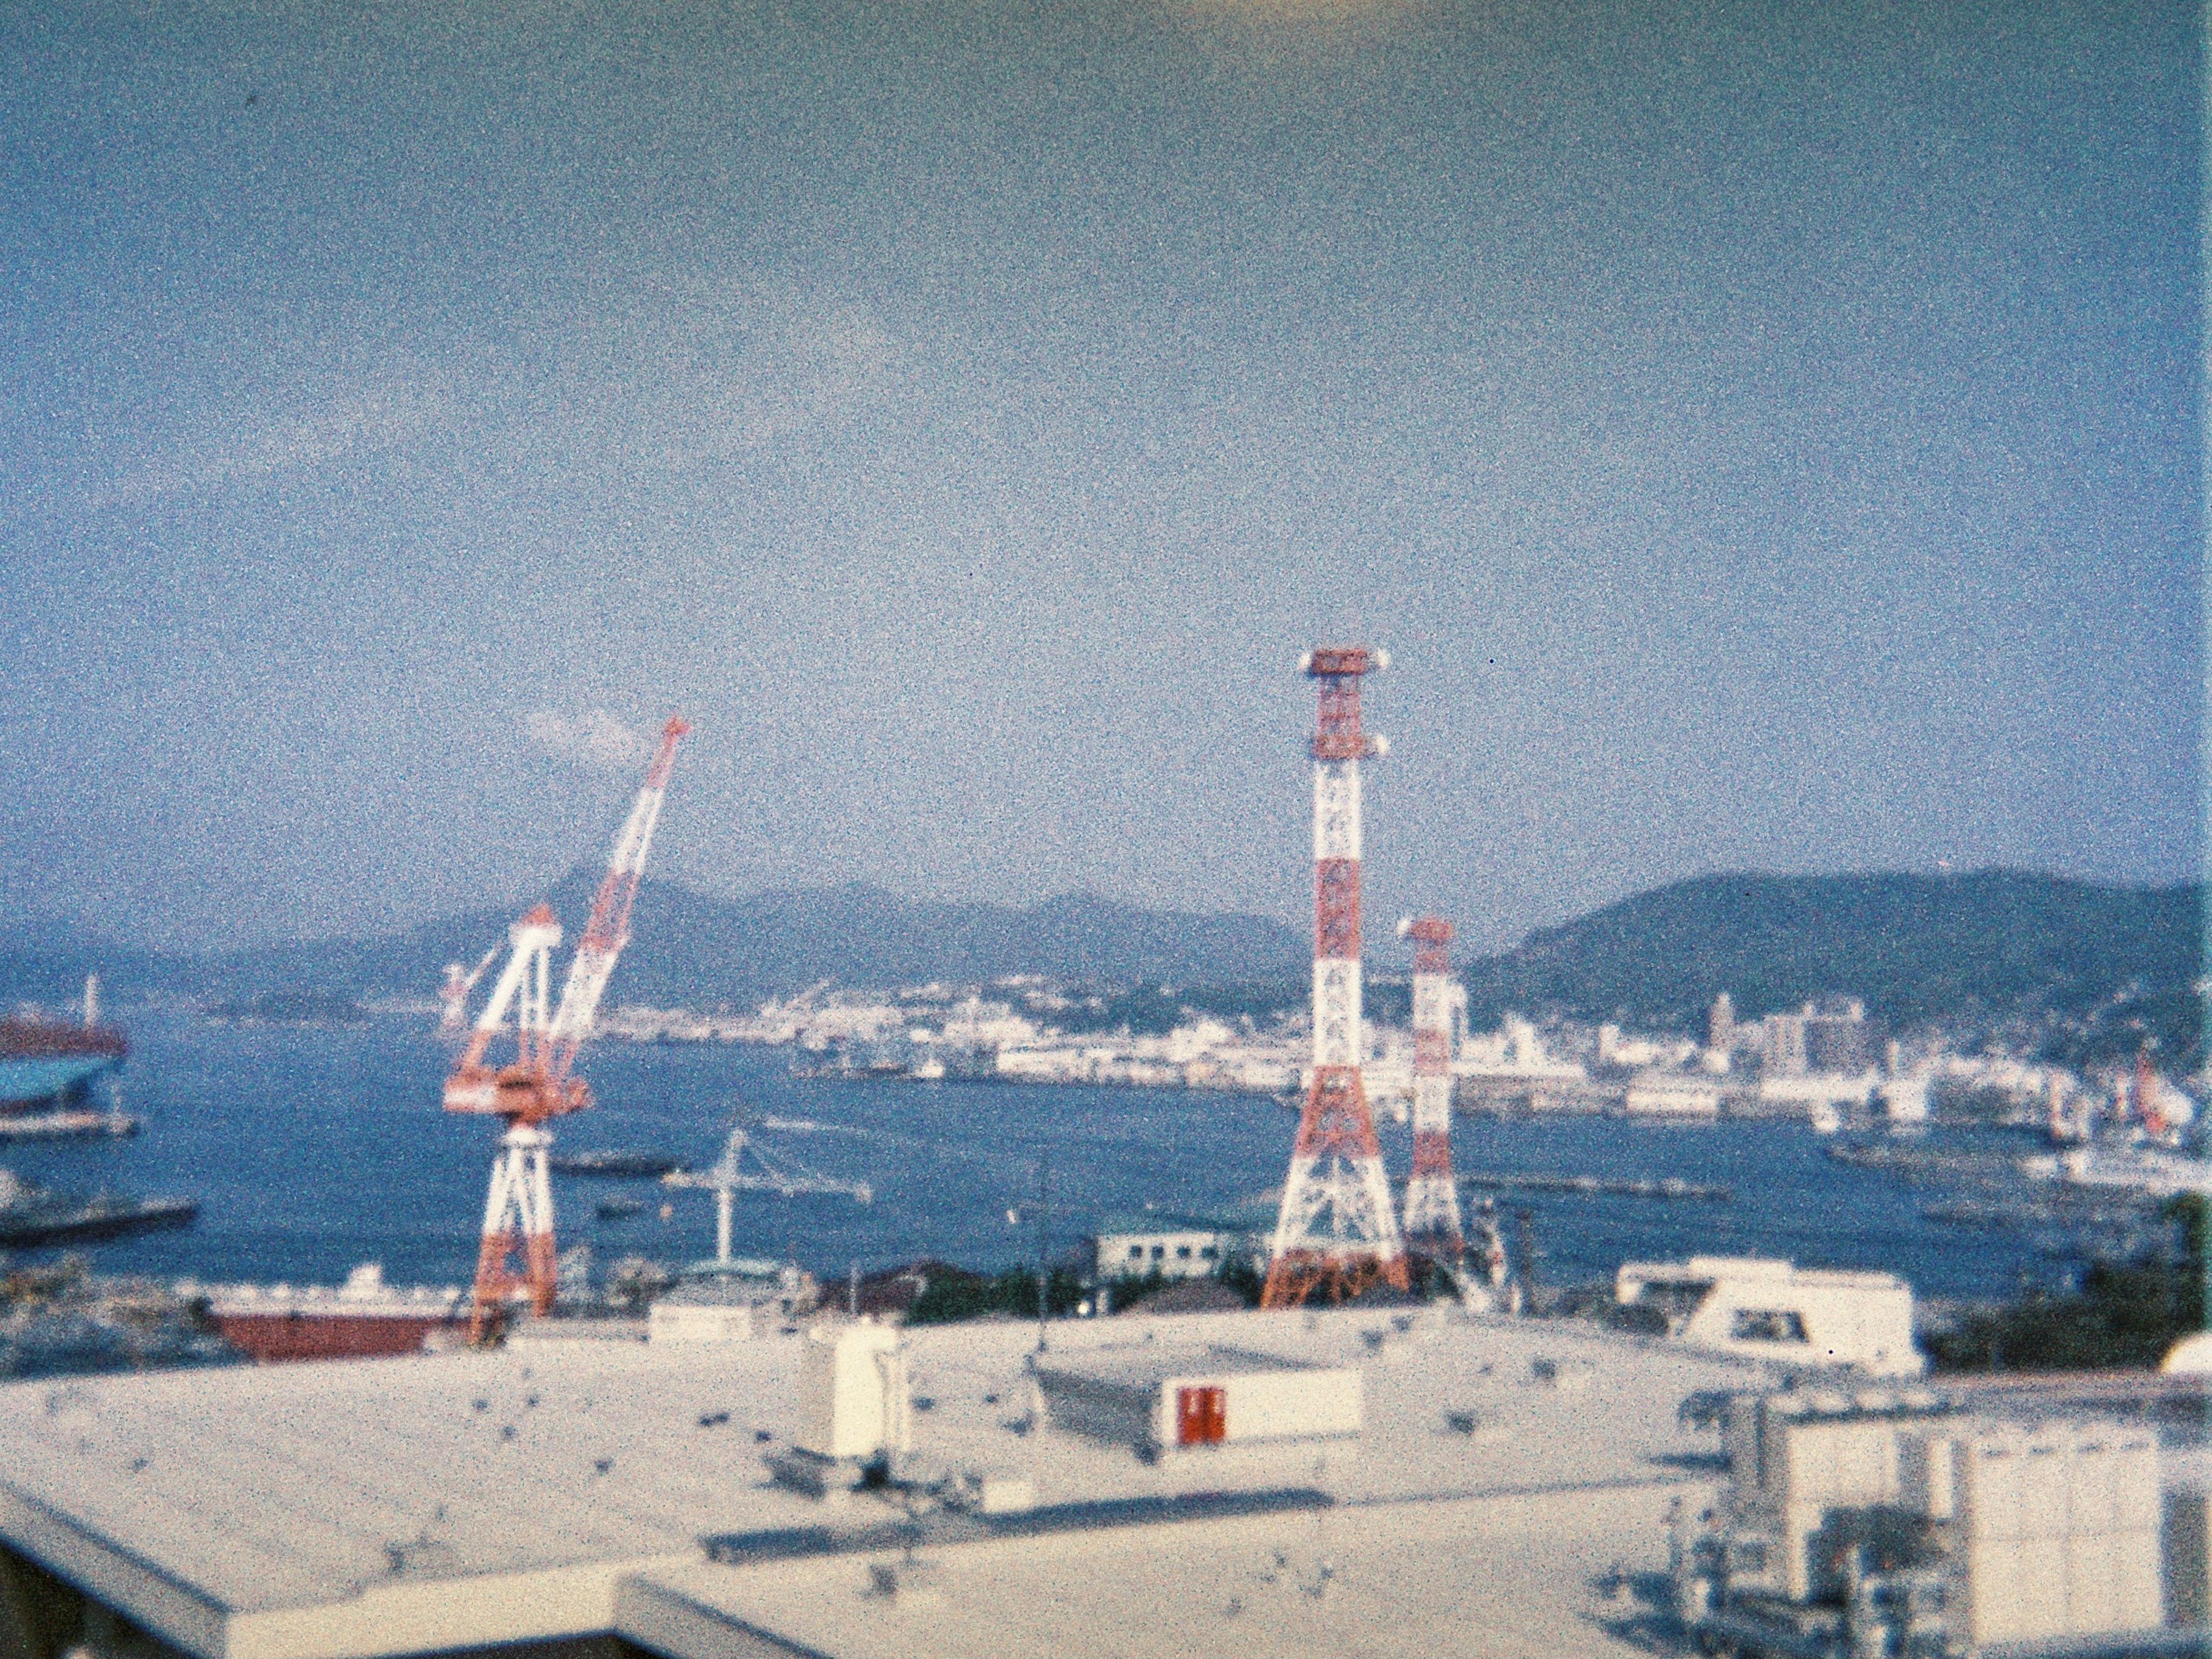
x,y
1043,1209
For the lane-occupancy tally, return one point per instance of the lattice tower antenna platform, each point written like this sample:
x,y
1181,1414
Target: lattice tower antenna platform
x,y
1337,1232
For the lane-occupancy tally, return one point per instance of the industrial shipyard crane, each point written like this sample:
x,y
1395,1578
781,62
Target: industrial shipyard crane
x,y
537,1085
729,1177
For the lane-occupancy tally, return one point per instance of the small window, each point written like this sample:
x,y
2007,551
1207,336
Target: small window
x,y
1182,1252
1768,1325
1159,1252
1136,1252
1208,1253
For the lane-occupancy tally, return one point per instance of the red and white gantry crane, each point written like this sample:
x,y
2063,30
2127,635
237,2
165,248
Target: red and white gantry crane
x,y
537,1084
1337,1232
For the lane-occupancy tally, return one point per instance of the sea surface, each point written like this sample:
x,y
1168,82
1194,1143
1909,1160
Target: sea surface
x,y
312,1150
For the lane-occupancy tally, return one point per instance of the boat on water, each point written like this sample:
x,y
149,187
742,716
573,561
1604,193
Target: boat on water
x,y
31,1215
2146,1171
48,1066
363,1318
614,1162
66,1123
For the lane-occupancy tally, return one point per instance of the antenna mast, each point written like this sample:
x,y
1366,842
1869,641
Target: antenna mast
x,y
1337,1232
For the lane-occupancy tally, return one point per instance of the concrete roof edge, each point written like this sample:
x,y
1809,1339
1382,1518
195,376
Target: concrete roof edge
x,y
443,1614
664,1619
154,1597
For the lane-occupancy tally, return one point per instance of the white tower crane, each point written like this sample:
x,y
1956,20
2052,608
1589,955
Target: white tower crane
x,y
728,1176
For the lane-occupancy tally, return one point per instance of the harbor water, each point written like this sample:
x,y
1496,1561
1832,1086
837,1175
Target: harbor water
x,y
312,1149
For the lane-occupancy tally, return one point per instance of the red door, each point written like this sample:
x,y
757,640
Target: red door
x,y
1201,1416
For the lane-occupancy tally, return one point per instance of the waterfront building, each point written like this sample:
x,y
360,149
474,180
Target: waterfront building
x,y
1174,1246
1672,1094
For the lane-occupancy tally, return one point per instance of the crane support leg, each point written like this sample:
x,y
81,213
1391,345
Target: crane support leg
x,y
518,1213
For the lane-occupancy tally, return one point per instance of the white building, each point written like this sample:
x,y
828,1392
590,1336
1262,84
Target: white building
x,y
1759,1308
1672,1094
1157,1241
1514,1053
570,1492
1618,1047
1903,1099
1810,1091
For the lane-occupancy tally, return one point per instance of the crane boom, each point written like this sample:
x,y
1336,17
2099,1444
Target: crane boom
x,y
608,931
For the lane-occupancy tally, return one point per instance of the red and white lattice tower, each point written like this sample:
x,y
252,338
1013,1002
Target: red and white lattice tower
x,y
1337,1232
536,1086
1432,1222
2149,1093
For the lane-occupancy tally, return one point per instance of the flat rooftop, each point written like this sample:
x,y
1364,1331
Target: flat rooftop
x,y
1505,1576
561,1488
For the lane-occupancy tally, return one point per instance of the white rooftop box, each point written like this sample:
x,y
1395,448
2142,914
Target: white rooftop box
x,y
694,1321
852,1392
1157,1400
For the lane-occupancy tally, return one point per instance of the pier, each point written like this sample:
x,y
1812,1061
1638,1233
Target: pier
x,y
1495,1181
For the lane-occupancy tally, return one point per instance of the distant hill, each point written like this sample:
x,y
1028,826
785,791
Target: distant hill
x,y
1998,947
691,949
2082,970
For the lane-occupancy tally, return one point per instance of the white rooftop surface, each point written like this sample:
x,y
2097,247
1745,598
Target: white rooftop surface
x,y
1143,1364
378,1507
1516,1576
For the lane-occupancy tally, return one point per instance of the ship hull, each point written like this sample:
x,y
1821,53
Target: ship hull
x,y
613,1165
36,1080
293,1335
44,1062
156,1215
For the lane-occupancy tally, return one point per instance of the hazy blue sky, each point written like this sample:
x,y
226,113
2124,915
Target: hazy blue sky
x,y
1765,436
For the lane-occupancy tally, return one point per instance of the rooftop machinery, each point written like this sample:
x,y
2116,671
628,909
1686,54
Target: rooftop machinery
x,y
1337,1232
536,1086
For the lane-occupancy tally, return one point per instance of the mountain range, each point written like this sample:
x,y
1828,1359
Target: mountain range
x,y
2000,949
693,950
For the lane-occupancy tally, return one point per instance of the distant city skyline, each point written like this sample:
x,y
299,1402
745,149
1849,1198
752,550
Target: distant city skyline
x,y
1764,437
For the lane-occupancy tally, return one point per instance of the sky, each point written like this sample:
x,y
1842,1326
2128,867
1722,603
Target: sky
x,y
1765,436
